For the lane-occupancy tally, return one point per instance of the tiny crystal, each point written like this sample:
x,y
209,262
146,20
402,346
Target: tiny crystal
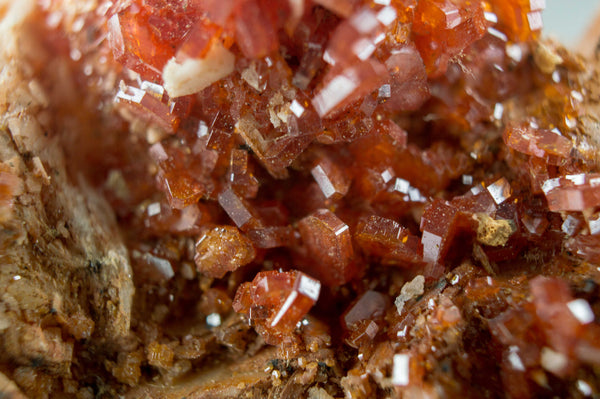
x,y
401,369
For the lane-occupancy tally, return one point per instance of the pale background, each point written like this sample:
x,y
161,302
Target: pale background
x,y
567,20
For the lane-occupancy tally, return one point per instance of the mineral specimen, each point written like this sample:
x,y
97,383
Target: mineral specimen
x,y
293,198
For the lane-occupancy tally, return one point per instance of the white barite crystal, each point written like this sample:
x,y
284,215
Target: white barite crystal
x,y
581,309
401,370
193,74
515,359
584,388
552,361
153,209
213,320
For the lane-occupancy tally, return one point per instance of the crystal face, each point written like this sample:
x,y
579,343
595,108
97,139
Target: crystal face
x,y
400,196
328,242
276,301
221,250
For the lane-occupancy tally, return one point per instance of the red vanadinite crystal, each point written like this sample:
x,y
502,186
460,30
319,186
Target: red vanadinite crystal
x,y
276,301
519,19
144,34
363,319
329,244
443,28
221,250
573,192
387,240
541,143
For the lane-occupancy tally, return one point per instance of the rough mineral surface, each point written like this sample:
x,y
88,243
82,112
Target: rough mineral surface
x,y
296,199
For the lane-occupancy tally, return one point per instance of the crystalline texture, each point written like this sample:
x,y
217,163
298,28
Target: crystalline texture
x,y
363,320
520,20
329,244
332,180
276,301
573,192
386,239
342,87
540,143
152,106
444,28
143,35
221,250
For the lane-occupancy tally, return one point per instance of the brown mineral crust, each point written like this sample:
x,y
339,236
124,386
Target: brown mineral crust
x,y
66,273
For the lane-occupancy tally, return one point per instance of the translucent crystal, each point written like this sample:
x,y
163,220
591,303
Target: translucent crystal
x,y
149,105
143,36
500,190
385,238
541,143
241,177
573,192
519,19
437,226
444,28
328,240
276,301
221,250
238,210
363,320
332,180
341,87
551,297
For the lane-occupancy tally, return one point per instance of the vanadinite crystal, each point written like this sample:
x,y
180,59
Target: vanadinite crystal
x,y
275,302
402,196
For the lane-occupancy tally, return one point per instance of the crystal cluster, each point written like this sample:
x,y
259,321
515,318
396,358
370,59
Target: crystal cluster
x,y
404,188
332,137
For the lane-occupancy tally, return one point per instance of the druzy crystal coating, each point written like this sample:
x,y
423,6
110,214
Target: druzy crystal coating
x,y
304,165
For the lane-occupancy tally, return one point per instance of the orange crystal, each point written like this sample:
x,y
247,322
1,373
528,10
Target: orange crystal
x,y
329,244
222,249
276,301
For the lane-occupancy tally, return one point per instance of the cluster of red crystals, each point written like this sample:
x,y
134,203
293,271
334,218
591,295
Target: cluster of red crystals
x,y
151,101
573,192
555,332
275,302
351,136
144,34
541,143
443,28
184,179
